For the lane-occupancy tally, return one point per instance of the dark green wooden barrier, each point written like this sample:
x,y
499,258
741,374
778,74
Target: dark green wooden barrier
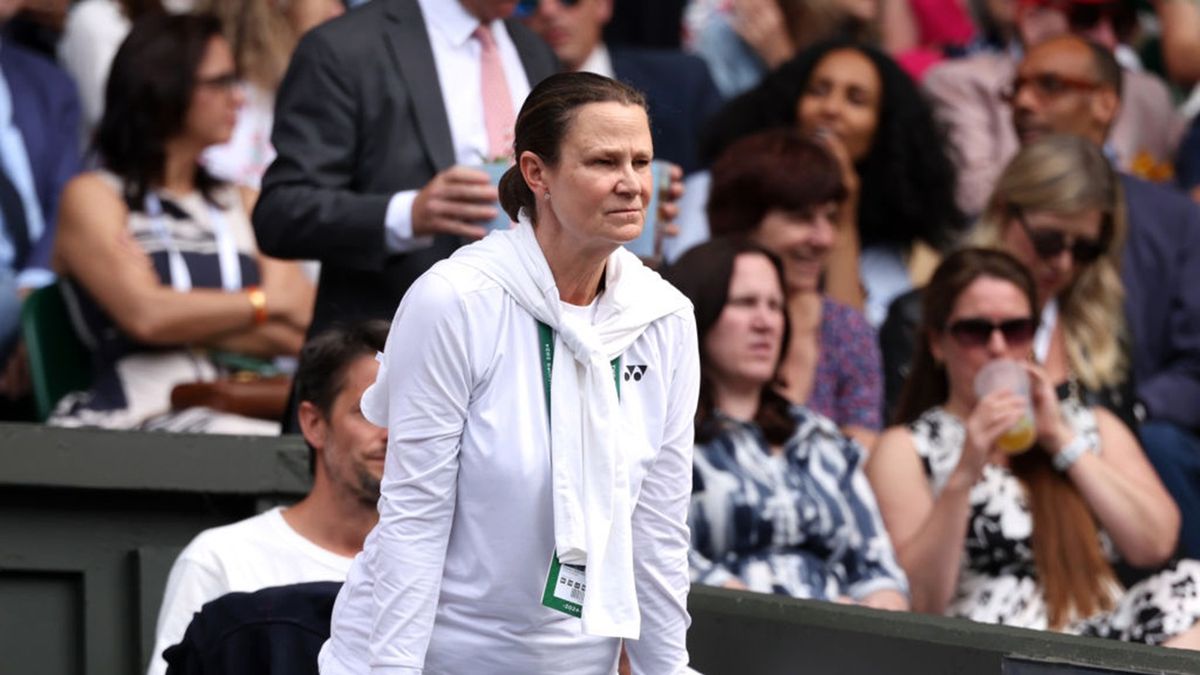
x,y
90,522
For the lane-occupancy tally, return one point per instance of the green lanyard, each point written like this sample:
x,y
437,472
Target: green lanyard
x,y
546,339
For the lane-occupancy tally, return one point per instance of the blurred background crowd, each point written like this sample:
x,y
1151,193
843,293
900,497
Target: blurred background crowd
x,y
869,201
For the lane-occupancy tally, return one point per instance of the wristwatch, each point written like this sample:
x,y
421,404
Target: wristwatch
x,y
1070,453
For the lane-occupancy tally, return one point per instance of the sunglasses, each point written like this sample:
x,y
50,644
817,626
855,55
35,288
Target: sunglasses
x,y
527,8
1051,243
978,332
1045,86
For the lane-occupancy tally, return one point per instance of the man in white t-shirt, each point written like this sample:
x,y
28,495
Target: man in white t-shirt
x,y
316,539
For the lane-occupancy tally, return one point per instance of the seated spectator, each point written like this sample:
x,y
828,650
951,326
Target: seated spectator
x,y
1058,210
160,255
679,91
784,192
968,96
1160,262
1021,539
39,153
779,501
317,538
263,34
895,167
93,31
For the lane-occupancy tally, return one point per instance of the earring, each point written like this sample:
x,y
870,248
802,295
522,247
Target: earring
x,y
547,195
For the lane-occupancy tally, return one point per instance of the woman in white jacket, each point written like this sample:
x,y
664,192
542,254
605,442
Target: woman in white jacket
x,y
538,389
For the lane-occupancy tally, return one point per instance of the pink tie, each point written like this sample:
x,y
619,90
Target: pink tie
x,y
498,114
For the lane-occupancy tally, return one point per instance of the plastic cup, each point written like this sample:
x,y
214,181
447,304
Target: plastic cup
x,y
646,244
495,170
1010,375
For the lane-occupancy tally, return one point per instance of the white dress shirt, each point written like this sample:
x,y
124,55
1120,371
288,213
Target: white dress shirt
x,y
451,579
457,57
599,62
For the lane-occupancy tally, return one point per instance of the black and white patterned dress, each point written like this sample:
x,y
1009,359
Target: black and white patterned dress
x,y
998,580
132,382
802,523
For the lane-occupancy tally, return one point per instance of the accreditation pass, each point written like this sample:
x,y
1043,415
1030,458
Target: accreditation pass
x,y
565,588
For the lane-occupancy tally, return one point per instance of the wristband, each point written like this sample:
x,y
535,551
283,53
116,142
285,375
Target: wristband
x,y
258,300
1070,453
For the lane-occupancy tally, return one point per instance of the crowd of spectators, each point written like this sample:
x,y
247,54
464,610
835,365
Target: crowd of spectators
x,y
868,201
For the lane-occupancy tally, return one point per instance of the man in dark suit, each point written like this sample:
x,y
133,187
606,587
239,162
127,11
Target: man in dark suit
x,y
377,121
678,87
39,153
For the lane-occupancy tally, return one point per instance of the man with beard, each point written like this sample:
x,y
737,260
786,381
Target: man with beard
x,y
317,538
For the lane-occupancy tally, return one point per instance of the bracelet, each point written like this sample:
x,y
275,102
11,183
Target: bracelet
x,y
258,300
1070,453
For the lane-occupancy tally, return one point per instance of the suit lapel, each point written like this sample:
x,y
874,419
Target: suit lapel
x,y
409,40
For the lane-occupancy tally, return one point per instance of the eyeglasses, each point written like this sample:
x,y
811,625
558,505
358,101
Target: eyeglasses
x,y
224,81
978,332
1051,243
527,8
1046,85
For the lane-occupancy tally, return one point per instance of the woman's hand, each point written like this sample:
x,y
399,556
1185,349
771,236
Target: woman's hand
x,y
888,599
993,415
843,281
1053,432
736,584
850,178
760,23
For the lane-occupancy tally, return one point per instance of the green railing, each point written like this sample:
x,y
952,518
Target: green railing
x,y
90,522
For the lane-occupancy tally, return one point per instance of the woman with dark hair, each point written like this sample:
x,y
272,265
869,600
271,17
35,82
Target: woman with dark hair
x,y
895,166
538,388
158,256
1021,539
779,500
784,191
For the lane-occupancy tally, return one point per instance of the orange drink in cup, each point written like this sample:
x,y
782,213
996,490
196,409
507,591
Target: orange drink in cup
x,y
1011,375
1019,437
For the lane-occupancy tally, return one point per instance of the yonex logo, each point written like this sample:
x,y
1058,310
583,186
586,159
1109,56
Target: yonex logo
x,y
634,373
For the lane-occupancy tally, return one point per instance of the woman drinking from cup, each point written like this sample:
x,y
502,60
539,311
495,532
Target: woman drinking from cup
x,y
1058,209
1021,539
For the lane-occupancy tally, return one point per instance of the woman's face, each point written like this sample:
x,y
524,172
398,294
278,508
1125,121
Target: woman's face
x,y
216,96
743,346
802,240
964,348
843,96
1051,244
601,186
304,15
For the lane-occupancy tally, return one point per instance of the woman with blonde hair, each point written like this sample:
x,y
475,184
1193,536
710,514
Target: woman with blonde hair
x,y
263,34
1058,208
